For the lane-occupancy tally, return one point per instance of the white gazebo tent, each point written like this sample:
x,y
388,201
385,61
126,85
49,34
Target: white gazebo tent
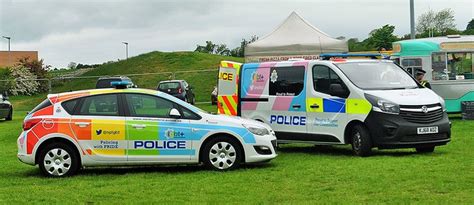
x,y
294,38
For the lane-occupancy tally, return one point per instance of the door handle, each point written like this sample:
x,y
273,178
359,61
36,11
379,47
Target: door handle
x,y
314,106
296,106
136,126
82,124
194,130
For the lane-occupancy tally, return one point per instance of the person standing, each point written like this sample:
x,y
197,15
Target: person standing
x,y
420,74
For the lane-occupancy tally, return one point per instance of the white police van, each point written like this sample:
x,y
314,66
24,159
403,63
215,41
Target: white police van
x,y
366,103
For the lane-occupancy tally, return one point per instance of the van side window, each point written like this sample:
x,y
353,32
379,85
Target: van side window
x,y
286,81
323,77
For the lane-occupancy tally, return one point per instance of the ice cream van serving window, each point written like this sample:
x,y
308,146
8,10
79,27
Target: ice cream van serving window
x,y
286,81
412,65
453,65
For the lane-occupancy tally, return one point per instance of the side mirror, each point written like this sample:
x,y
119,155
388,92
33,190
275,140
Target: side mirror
x,y
174,113
337,90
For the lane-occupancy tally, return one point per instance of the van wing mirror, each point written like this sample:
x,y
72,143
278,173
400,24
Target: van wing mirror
x,y
338,90
174,113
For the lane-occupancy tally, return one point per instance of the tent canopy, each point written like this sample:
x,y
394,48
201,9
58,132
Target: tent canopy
x,y
295,36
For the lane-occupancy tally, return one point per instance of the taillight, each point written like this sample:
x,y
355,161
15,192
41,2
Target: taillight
x,y
28,124
180,90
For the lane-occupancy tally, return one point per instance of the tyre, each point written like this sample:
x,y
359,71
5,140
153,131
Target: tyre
x,y
361,141
193,101
222,154
428,149
9,116
58,160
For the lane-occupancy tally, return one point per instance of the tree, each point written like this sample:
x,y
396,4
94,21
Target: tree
x,y
24,82
222,50
470,25
72,65
382,38
38,69
469,28
438,23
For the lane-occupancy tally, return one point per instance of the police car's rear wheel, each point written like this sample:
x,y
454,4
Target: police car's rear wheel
x,y
222,154
58,160
361,142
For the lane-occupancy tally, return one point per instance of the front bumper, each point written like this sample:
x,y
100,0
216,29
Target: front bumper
x,y
392,131
252,154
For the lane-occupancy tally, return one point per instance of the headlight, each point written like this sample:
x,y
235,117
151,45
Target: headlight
x,y
382,105
257,130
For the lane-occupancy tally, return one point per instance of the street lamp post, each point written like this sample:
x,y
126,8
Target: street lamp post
x,y
8,38
126,49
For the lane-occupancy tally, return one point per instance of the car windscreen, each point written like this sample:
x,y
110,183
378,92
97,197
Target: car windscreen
x,y
170,85
377,75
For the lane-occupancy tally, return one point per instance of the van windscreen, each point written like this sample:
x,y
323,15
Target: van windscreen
x,y
377,75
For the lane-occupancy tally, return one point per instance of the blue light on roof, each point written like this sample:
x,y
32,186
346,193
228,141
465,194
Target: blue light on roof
x,y
121,84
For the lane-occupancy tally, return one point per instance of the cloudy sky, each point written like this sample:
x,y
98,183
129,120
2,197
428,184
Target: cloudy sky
x,y
91,31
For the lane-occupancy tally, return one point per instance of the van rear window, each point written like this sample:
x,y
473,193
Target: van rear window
x,y
42,105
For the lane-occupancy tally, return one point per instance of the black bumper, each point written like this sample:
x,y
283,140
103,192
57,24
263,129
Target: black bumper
x,y
392,131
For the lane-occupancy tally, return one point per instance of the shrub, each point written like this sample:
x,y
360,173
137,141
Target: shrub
x,y
24,82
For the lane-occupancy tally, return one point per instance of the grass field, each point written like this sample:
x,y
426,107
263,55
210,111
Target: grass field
x,y
300,174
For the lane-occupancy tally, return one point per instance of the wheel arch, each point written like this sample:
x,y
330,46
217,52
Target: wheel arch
x,y
56,138
347,130
217,135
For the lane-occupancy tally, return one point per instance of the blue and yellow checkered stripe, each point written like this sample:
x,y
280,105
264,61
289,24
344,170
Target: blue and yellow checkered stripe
x,y
339,105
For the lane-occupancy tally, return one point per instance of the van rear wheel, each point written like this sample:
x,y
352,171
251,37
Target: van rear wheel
x,y
361,141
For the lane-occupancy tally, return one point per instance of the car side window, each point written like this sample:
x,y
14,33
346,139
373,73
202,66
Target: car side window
x,y
101,105
141,105
323,77
286,81
70,105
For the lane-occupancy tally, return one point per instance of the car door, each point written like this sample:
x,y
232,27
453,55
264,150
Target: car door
x,y
286,95
154,136
326,110
99,126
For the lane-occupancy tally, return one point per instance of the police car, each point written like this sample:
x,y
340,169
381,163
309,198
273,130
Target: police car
x,y
131,126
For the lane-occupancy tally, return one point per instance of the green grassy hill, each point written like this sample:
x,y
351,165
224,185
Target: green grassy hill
x,y
153,62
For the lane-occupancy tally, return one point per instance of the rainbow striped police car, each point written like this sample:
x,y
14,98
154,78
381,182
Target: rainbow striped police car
x,y
130,126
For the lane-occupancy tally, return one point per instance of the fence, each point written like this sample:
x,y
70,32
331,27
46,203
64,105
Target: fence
x,y
202,82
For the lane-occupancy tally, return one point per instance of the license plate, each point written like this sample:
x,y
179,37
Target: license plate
x,y
427,130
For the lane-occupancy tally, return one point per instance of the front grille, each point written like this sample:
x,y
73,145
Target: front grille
x,y
422,138
414,113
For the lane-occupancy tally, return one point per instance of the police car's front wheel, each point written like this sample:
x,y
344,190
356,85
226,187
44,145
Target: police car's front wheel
x,y
222,153
361,141
58,160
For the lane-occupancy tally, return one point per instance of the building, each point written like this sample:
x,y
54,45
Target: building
x,y
11,58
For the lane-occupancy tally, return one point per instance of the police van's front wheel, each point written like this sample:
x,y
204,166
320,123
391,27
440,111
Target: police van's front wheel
x,y
361,142
58,160
222,153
